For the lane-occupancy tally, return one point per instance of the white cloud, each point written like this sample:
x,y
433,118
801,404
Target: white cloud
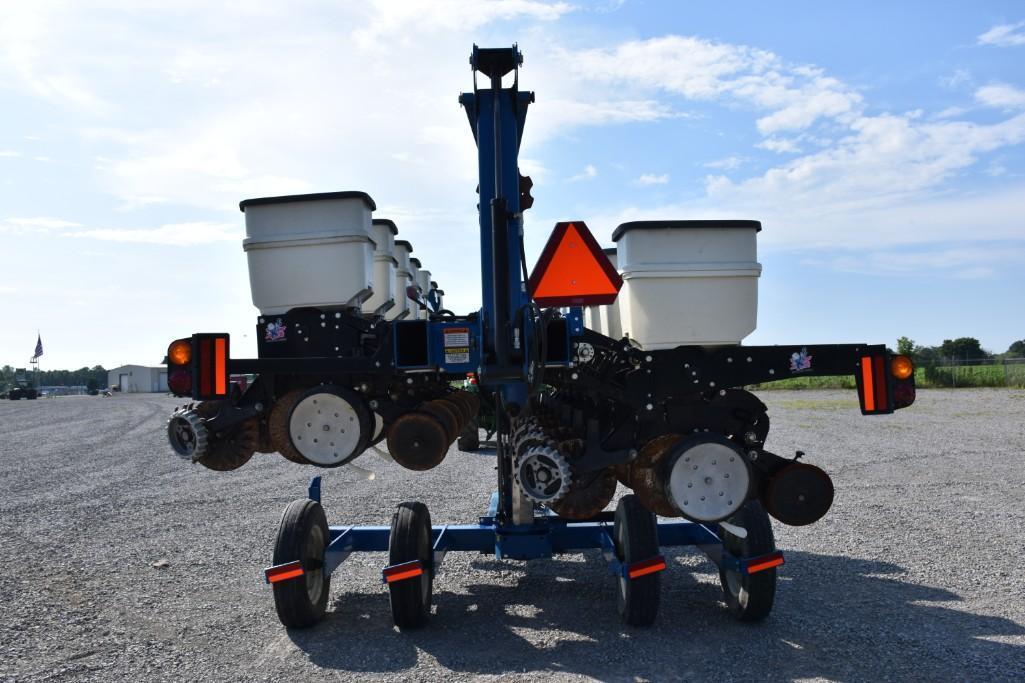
x,y
958,78
779,145
589,173
1001,95
172,234
36,224
795,96
390,20
1004,35
959,261
652,179
9,154
730,163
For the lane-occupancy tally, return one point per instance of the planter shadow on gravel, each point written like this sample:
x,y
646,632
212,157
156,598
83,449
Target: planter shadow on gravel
x,y
835,618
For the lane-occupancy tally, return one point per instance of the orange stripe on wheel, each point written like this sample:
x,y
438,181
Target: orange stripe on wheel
x,y
407,574
762,566
284,572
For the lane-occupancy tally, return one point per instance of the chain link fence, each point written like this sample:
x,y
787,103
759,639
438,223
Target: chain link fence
x,y
986,372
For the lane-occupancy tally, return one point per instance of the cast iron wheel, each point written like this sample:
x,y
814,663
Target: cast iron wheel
x,y
303,535
446,415
749,597
469,440
233,450
636,538
410,540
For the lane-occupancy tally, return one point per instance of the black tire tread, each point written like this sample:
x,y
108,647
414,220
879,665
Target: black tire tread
x,y
761,587
638,599
291,599
409,605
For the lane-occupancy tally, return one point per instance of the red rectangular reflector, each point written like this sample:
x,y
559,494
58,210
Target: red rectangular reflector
x,y
206,365
760,564
879,370
283,572
406,570
221,366
867,384
644,567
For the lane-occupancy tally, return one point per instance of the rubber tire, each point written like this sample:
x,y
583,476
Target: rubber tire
x,y
635,535
752,596
410,539
469,440
301,519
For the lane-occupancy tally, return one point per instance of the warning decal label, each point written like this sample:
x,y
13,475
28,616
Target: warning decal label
x,y
457,345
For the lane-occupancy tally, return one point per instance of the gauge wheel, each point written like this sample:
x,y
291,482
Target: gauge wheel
x,y
303,535
410,540
749,597
635,536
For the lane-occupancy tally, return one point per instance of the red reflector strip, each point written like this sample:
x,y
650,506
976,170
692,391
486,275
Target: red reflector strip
x,y
284,572
867,384
645,567
879,365
220,366
205,366
406,570
760,564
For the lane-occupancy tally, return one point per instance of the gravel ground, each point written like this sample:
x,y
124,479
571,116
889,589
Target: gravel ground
x,y
122,562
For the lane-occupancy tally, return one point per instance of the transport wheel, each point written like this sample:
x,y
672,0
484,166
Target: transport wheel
x,y
469,440
750,597
410,540
636,538
303,535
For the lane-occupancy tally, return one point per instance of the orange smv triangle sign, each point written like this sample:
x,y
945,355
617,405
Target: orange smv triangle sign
x,y
573,271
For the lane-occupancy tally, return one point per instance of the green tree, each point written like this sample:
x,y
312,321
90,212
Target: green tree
x,y
963,348
1016,349
906,346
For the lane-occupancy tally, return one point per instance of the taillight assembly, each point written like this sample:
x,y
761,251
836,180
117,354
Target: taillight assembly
x,y
903,372
179,370
885,383
198,367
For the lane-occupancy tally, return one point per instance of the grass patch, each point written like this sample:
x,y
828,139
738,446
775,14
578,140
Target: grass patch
x,y
957,377
824,404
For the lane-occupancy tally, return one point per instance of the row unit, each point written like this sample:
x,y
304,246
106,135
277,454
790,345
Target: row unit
x,y
684,283
324,250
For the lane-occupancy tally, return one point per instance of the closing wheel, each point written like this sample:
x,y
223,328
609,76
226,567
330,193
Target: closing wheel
x,y
302,536
749,597
232,450
410,540
446,415
469,440
277,426
636,538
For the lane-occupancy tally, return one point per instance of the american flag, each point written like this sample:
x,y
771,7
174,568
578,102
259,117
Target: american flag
x,y
39,347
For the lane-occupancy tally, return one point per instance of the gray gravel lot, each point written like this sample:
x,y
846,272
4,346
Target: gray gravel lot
x,y
916,573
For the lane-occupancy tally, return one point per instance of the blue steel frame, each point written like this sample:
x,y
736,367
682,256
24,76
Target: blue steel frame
x,y
549,535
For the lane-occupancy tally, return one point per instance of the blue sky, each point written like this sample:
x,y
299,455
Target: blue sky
x,y
881,145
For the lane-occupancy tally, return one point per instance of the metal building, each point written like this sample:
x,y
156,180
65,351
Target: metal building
x,y
138,379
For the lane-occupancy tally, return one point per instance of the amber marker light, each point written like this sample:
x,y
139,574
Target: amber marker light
x,y
180,352
901,367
